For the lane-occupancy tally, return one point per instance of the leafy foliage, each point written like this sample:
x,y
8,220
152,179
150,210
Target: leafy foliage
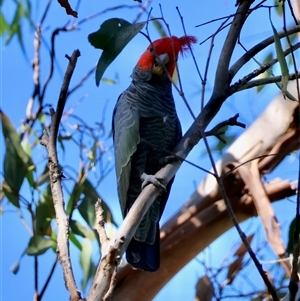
x,y
113,35
87,265
17,164
282,60
14,28
38,245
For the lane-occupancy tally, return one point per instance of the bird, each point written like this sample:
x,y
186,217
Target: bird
x,y
145,130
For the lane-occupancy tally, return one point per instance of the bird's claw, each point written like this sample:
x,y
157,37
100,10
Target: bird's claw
x,y
150,179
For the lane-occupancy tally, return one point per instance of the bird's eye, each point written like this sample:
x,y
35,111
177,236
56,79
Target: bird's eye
x,y
151,49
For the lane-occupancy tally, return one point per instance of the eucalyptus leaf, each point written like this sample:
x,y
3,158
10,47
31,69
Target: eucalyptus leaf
x,y
159,27
79,229
86,262
38,245
75,241
267,73
45,213
74,197
4,25
17,164
282,61
114,34
87,206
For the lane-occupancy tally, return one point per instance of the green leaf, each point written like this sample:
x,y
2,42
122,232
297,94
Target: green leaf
x,y
11,195
278,4
44,177
15,26
86,263
159,27
42,118
17,164
266,74
219,147
54,238
290,245
4,25
11,136
282,62
108,81
38,245
76,192
81,230
26,146
22,11
113,35
45,213
75,241
87,206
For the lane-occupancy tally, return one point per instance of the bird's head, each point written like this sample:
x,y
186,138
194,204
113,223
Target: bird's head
x,y
164,53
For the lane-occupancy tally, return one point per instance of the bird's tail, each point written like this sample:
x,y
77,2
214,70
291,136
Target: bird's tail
x,y
142,255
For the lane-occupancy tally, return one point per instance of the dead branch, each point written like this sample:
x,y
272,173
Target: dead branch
x,y
104,280
251,178
55,180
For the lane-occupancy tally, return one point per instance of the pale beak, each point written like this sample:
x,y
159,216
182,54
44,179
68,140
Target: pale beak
x,y
160,61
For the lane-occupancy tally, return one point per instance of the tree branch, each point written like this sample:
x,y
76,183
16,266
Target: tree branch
x,y
265,81
239,84
55,181
257,48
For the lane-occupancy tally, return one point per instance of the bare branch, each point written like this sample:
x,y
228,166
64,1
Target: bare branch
x,y
104,279
222,75
257,48
239,84
55,181
36,74
266,81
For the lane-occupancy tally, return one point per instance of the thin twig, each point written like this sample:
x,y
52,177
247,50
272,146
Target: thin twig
x,y
104,279
266,81
240,83
257,48
40,296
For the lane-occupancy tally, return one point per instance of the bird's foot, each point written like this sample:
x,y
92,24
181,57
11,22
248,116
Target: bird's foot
x,y
150,179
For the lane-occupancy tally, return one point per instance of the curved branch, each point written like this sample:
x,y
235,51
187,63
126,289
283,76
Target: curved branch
x,y
239,84
222,75
266,81
257,48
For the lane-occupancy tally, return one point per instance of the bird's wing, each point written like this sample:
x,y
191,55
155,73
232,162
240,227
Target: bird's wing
x,y
126,138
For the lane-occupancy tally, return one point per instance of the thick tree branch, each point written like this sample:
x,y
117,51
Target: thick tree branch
x,y
222,76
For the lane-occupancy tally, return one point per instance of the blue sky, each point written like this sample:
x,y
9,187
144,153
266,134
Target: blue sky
x,y
88,103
